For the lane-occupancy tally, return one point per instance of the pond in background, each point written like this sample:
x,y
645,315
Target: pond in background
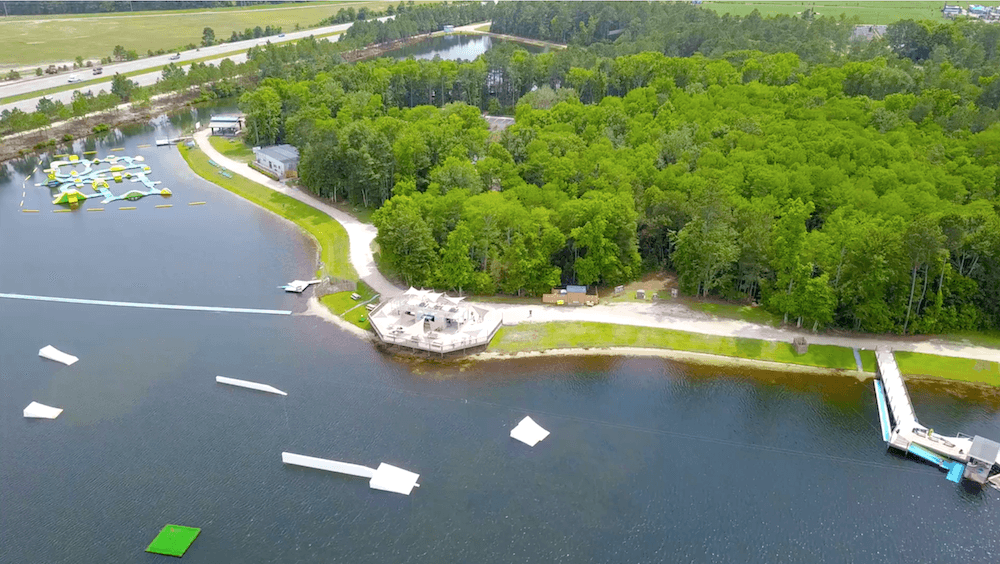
x,y
456,47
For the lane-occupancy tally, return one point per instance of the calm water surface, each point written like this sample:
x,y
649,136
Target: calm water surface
x,y
455,47
648,460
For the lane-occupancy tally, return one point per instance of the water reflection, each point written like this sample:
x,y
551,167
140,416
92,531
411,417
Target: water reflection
x,y
455,48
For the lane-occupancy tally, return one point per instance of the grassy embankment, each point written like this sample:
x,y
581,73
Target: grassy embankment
x,y
546,336
875,12
351,310
328,234
33,40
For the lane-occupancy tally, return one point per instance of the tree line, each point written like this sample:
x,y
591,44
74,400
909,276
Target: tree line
x,y
46,7
860,190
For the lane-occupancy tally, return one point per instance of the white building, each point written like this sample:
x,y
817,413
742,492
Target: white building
x,y
280,160
434,322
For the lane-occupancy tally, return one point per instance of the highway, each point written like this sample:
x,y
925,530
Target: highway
x,y
35,83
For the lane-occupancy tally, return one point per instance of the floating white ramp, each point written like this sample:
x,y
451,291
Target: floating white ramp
x,y
57,355
299,286
528,432
386,478
37,410
251,385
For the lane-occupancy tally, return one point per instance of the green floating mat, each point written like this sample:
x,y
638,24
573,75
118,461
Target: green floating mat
x,y
173,540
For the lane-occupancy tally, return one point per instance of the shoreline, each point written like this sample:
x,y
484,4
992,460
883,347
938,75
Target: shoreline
x,y
671,354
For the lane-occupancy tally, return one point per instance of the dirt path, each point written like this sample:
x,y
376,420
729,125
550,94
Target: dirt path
x,y
360,234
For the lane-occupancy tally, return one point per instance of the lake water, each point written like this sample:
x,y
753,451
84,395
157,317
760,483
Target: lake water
x,y
648,461
455,47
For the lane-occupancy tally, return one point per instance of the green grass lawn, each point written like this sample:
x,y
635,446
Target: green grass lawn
x,y
330,235
868,361
731,311
544,336
351,310
33,40
484,27
235,148
949,368
874,12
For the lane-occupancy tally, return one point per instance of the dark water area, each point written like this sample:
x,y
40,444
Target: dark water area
x,y
649,460
455,48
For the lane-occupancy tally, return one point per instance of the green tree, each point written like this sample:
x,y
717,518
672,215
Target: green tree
x,y
263,115
207,37
122,87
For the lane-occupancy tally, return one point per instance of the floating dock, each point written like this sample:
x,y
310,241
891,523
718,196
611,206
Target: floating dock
x,y
972,458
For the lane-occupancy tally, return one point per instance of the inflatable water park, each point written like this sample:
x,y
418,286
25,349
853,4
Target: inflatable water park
x,y
73,176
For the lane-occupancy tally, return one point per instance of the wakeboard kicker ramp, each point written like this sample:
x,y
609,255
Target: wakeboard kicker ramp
x,y
386,477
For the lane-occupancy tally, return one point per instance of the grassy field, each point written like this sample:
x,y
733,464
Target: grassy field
x,y
962,369
351,310
875,12
235,149
32,40
544,336
330,235
734,311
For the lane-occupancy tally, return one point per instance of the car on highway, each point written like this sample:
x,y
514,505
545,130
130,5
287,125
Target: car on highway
x,y
175,56
281,35
74,78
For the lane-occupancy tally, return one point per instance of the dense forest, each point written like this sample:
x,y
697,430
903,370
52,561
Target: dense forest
x,y
854,186
45,7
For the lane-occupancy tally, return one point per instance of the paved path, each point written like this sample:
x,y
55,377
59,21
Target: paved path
x,y
360,234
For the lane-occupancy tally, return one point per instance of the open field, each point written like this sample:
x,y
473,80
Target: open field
x,y
33,40
962,369
875,12
330,235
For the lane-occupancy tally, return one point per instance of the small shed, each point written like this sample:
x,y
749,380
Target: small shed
x,y
983,455
228,125
281,160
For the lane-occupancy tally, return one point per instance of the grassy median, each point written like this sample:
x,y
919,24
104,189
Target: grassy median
x,y
330,235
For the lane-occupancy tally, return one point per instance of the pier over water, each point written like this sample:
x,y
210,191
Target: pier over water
x,y
973,458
